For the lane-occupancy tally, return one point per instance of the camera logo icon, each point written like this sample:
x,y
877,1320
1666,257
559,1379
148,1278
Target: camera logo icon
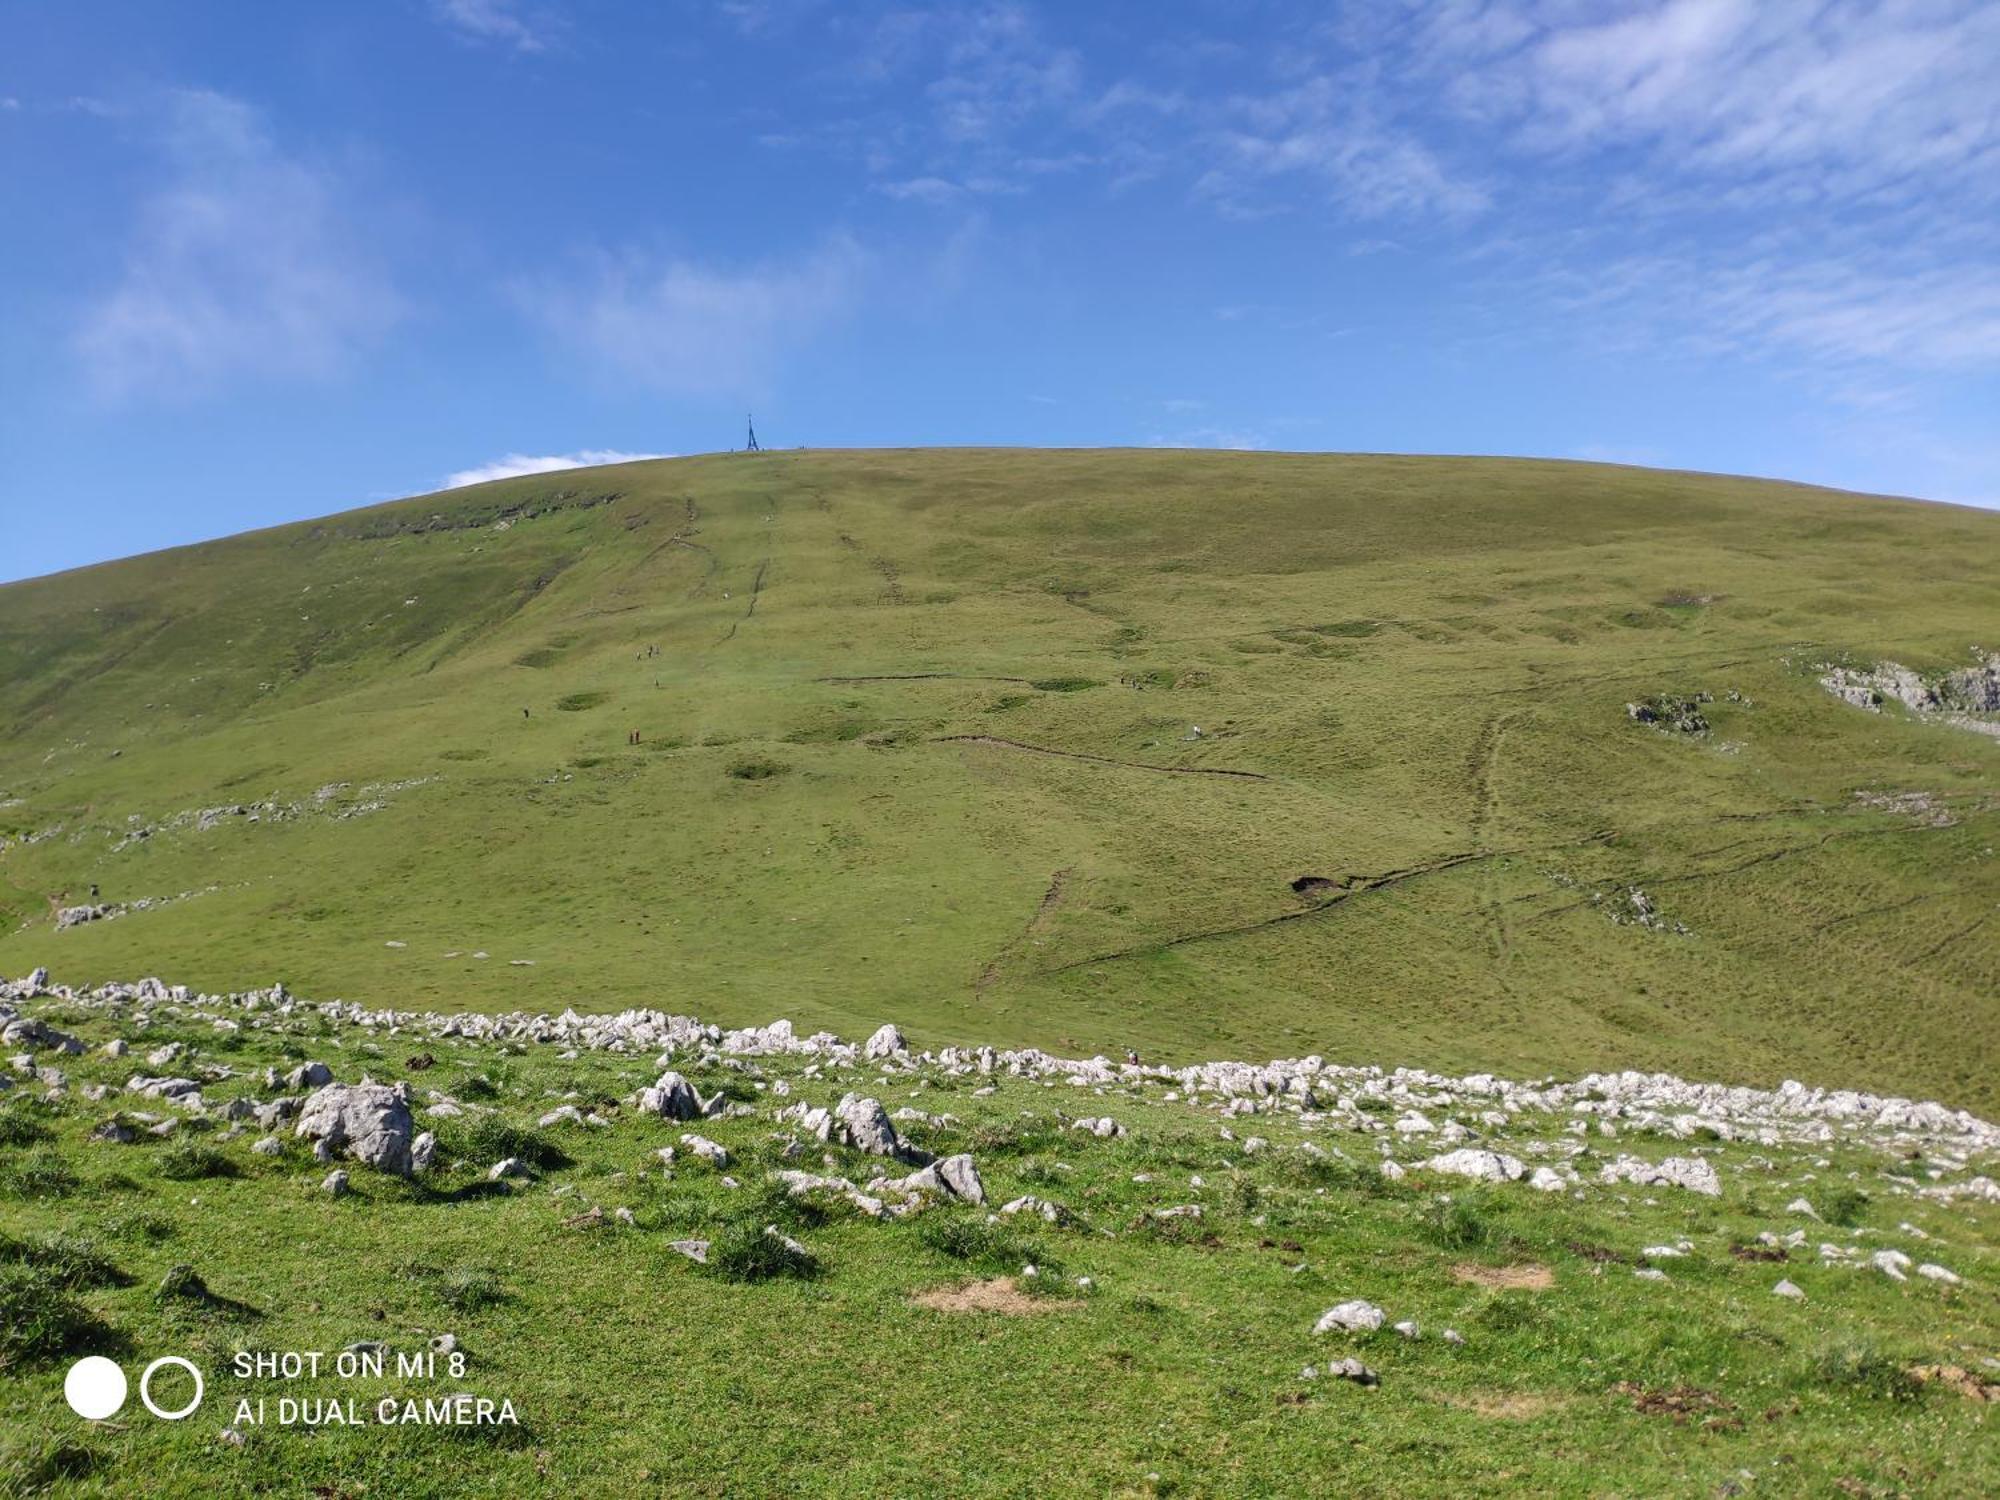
x,y
95,1388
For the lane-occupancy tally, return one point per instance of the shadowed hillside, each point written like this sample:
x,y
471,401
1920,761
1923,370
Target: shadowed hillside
x,y
916,739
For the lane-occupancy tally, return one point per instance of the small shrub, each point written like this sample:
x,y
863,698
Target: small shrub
x,y
773,1203
487,1139
140,1225
1241,1195
1453,1224
40,1320
186,1160
1015,1138
576,703
1509,1314
1842,1205
477,1086
745,1252
1329,1171
1868,1372
17,1129
979,1243
72,1263
39,1172
463,1289
37,1462
756,769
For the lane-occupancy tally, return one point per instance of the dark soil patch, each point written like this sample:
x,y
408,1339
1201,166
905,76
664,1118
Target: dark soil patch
x,y
1771,1253
1679,1402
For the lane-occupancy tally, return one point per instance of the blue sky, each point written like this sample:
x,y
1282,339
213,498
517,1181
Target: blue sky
x,y
269,261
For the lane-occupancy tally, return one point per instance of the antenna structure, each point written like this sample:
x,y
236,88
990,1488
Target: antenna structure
x,y
751,446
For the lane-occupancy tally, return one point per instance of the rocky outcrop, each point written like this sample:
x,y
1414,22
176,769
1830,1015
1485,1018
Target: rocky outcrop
x,y
1311,1089
885,1043
369,1122
1954,697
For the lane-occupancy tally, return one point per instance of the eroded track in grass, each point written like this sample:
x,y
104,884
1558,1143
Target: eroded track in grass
x,y
995,741
756,589
1051,899
1360,885
925,677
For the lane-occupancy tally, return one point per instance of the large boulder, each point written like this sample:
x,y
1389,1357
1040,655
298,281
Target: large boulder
x,y
865,1125
369,1122
886,1042
954,1177
671,1097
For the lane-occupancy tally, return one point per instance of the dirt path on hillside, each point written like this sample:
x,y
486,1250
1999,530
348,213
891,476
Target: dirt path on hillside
x,y
1051,899
1102,760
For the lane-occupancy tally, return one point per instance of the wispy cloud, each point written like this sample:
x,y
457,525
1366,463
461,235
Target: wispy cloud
x,y
1208,437
1805,98
499,22
516,464
691,328
243,262
940,190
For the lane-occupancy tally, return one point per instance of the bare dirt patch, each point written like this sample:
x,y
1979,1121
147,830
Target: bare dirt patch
x,y
1505,1278
1002,1295
1957,1378
1681,1402
1505,1406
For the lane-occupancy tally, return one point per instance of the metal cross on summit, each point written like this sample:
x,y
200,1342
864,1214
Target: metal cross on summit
x,y
751,446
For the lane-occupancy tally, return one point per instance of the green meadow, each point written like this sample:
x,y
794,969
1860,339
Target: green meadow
x,y
1188,1365
916,738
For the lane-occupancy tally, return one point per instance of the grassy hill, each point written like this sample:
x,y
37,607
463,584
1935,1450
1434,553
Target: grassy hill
x,y
915,741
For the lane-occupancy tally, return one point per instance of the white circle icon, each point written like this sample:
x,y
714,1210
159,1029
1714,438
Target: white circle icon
x,y
146,1381
94,1387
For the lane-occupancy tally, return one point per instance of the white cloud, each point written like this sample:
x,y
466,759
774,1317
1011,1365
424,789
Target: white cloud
x,y
1806,99
685,327
243,263
1832,316
515,464
1209,437
496,21
940,190
999,72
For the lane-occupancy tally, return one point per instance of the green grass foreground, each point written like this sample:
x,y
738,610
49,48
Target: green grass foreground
x,y
1176,1371
915,739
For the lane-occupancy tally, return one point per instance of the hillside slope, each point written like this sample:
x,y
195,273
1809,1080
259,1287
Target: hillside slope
x,y
916,740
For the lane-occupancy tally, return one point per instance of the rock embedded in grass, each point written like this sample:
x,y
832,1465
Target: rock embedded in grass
x,y
368,1122
671,1097
1689,1172
1357,1316
1481,1166
886,1042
